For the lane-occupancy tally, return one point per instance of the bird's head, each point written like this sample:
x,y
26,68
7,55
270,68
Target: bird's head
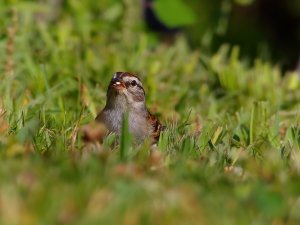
x,y
126,89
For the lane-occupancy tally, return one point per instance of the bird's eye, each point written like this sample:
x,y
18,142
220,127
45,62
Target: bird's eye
x,y
133,83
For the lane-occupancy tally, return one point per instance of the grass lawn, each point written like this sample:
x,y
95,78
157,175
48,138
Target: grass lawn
x,y
230,153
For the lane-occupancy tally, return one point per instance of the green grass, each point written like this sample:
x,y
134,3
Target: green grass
x,y
230,153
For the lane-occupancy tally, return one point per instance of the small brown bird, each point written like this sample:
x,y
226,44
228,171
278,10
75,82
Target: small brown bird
x,y
125,94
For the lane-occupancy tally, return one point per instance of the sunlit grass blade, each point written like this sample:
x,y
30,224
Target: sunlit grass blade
x,y
125,139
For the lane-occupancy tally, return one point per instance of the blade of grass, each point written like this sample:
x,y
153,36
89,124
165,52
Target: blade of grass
x,y
125,139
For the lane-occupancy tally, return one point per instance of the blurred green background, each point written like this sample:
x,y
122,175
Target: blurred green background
x,y
220,74
268,29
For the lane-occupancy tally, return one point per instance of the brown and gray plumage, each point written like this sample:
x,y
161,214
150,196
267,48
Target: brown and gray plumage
x,y
125,94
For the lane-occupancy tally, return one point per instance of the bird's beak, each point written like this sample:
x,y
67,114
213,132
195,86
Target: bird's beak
x,y
117,84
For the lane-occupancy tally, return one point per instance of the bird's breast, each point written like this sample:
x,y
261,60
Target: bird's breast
x,y
137,123
138,126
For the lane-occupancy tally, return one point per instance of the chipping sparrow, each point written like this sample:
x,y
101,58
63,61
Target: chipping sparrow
x,y
125,94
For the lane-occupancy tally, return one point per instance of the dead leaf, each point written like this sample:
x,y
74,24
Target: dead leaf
x,y
93,132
